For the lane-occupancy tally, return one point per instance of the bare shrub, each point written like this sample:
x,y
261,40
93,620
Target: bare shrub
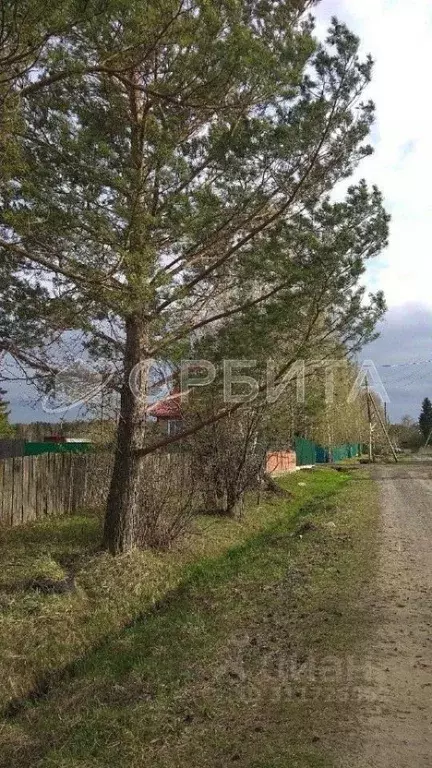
x,y
98,469
228,459
168,500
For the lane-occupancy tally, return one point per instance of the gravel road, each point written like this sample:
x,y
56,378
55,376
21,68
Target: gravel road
x,y
396,730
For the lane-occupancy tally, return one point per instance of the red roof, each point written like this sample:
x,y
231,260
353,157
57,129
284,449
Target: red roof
x,y
168,409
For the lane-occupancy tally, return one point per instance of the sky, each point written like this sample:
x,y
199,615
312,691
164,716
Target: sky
x,y
398,34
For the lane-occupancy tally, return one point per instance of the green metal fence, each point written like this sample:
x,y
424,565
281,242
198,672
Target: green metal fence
x,y
309,452
348,451
37,449
306,452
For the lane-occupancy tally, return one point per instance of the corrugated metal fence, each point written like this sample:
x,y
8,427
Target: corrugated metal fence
x,y
11,448
309,452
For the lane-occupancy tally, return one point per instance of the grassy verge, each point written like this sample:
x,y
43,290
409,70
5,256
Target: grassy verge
x,y
41,634
251,661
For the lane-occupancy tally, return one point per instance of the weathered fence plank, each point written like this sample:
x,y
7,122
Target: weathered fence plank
x,y
33,487
2,485
7,491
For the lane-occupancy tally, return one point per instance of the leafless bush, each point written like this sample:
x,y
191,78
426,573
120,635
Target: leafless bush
x,y
228,459
168,500
98,469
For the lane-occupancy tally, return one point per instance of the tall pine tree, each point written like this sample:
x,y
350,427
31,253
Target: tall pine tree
x,y
178,178
425,420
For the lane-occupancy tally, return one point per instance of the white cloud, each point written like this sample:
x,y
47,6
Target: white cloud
x,y
399,37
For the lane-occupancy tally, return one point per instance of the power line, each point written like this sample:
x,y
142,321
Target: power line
x,y
404,364
408,379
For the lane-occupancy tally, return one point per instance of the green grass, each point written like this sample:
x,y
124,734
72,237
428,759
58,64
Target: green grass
x,y
229,668
41,634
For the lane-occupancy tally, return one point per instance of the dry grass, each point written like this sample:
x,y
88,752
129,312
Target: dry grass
x,y
41,634
234,666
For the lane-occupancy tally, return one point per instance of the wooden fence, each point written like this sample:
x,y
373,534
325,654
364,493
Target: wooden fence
x,y
35,487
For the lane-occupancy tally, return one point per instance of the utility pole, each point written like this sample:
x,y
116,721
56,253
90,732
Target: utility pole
x,y
428,439
371,456
383,426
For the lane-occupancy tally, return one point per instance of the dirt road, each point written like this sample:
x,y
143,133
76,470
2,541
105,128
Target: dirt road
x,y
397,722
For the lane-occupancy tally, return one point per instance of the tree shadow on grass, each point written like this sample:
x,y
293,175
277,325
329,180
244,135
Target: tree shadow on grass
x,y
177,667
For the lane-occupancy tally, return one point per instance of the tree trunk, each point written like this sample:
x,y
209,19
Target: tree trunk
x,y
124,499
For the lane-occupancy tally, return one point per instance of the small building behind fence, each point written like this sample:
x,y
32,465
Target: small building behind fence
x,y
10,448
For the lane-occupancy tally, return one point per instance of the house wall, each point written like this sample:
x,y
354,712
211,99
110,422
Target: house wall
x,y
280,462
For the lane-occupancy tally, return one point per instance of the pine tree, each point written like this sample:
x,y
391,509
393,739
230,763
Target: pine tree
x,y
181,179
425,420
